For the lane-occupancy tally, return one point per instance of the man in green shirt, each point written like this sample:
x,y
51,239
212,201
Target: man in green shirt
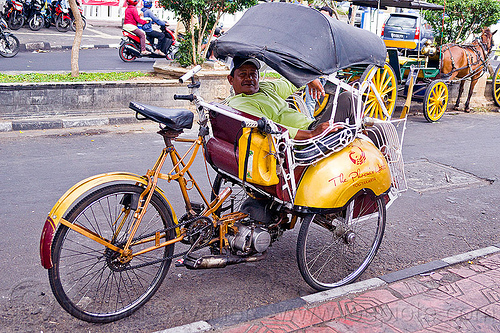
x,y
267,99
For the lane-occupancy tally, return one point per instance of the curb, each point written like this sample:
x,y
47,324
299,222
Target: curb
x,y
65,122
323,296
45,46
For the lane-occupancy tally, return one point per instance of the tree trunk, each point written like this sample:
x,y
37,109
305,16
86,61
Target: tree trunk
x,y
75,50
204,55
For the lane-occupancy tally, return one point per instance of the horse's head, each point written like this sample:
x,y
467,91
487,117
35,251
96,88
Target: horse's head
x,y
487,39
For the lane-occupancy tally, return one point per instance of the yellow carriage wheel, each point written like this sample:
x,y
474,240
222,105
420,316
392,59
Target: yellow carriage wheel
x,y
496,86
435,100
384,81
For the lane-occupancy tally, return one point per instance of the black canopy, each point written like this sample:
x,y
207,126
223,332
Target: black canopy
x,y
299,42
411,4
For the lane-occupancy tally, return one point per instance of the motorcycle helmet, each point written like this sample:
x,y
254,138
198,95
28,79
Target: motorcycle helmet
x,y
147,3
133,2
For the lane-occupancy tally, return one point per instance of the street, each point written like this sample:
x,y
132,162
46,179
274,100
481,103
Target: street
x,y
452,168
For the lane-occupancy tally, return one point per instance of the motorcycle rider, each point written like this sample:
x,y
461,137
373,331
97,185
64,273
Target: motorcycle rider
x,y
130,24
163,42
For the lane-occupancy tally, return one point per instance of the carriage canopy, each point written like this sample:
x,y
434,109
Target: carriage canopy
x,y
299,42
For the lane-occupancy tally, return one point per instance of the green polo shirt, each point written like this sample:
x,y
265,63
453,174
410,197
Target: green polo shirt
x,y
270,102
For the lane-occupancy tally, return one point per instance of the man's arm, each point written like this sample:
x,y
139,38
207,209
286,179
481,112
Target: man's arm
x,y
306,134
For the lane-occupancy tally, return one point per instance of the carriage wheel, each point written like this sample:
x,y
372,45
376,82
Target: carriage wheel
x,y
435,100
384,82
496,86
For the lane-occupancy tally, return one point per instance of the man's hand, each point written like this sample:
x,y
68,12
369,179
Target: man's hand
x,y
304,134
316,89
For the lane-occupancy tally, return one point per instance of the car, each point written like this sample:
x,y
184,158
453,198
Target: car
x,y
406,30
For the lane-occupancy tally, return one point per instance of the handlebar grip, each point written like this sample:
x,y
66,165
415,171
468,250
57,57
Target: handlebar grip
x,y
189,74
249,123
189,97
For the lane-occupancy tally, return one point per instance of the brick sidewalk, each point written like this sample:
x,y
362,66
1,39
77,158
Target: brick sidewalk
x,y
460,298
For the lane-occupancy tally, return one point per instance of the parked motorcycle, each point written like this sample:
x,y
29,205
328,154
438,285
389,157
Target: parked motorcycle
x,y
73,22
130,47
13,13
9,44
57,15
33,14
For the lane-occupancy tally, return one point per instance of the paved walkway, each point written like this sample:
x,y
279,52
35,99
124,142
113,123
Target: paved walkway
x,y
463,296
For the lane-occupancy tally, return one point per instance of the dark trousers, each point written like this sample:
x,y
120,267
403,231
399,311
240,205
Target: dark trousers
x,y
163,42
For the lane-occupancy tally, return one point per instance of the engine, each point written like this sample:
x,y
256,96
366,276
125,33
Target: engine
x,y
249,238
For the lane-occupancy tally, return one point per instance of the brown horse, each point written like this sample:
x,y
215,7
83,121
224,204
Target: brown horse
x,y
466,61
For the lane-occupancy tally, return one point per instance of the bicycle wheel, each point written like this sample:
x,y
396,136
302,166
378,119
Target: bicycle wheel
x,y
9,46
87,279
233,203
384,82
435,100
335,249
496,86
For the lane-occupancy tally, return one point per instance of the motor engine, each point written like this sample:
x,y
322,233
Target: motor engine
x,y
249,238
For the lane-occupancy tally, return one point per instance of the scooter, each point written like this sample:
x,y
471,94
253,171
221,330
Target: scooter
x,y
130,47
9,44
13,11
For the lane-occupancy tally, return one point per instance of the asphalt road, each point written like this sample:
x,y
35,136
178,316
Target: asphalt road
x,y
451,207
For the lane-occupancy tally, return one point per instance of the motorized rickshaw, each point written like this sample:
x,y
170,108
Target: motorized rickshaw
x,y
110,239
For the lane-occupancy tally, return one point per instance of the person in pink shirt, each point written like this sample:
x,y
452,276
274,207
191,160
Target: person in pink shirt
x,y
130,24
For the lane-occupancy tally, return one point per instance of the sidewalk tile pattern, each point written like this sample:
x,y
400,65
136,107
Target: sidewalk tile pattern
x,y
460,298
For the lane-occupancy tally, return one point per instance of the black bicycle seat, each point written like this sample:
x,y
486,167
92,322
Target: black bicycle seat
x,y
174,119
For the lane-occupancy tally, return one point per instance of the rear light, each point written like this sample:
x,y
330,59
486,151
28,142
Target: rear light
x,y
382,33
417,33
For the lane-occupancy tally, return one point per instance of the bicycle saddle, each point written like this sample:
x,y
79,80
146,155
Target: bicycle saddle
x,y
174,119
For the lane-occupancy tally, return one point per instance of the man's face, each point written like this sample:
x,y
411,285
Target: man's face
x,y
245,80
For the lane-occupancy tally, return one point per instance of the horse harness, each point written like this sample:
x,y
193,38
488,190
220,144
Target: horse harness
x,y
482,62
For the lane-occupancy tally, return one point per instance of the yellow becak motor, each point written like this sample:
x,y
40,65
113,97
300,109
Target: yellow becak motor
x,y
257,157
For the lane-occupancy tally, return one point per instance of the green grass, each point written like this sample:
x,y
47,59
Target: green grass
x,y
83,77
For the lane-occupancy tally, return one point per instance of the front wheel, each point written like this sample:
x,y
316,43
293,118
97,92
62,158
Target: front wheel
x,y
73,24
63,23
9,46
335,249
124,54
384,85
16,20
94,283
36,22
435,100
496,86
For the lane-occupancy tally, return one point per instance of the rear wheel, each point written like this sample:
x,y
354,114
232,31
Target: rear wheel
x,y
233,203
435,100
496,86
36,22
335,249
9,46
124,54
89,280
16,20
73,24
385,85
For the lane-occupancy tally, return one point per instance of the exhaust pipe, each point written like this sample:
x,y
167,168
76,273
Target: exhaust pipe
x,y
219,261
132,50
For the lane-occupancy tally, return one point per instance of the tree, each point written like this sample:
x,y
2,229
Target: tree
x,y
75,49
461,19
201,17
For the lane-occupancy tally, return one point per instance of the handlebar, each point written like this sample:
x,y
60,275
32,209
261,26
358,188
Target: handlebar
x,y
189,97
263,124
190,74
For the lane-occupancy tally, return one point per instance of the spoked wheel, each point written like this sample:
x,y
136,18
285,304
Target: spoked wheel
x,y
91,281
496,86
233,203
335,249
9,46
435,100
124,54
63,24
384,84
16,20
36,22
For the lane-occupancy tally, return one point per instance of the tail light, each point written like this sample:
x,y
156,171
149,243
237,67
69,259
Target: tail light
x,y
417,33
382,33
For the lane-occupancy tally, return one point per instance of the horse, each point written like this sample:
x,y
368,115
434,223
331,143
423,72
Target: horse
x,y
466,61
